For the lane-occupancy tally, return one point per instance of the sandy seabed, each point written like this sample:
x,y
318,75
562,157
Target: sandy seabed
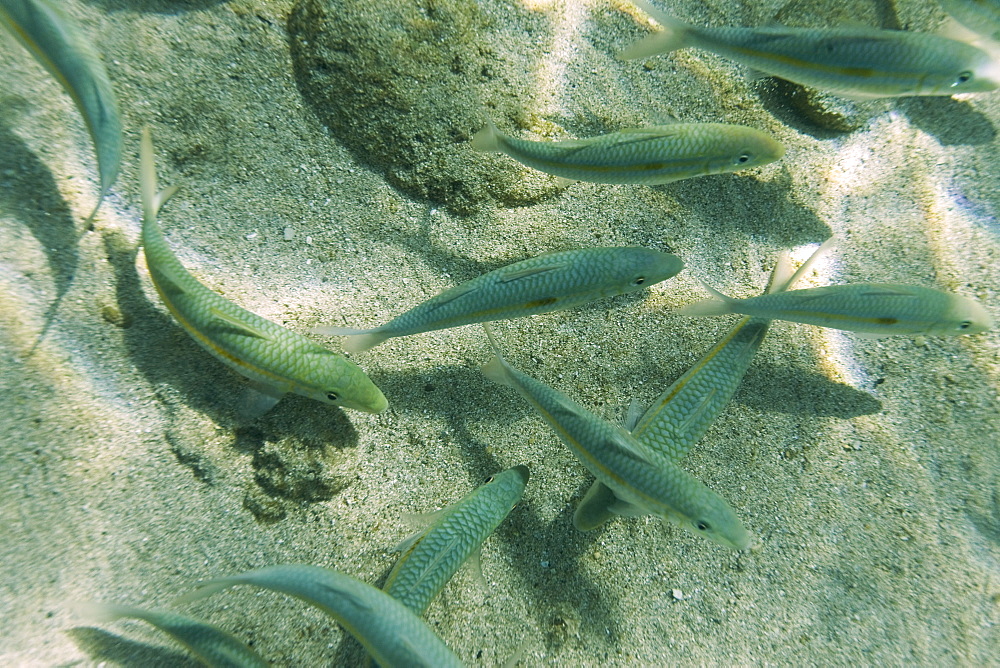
x,y
869,469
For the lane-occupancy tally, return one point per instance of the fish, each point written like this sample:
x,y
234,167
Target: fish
x,y
391,632
650,155
55,40
212,645
430,557
540,284
858,63
677,419
643,483
275,359
980,16
872,309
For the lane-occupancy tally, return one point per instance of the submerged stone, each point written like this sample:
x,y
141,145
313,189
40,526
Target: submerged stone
x,y
405,85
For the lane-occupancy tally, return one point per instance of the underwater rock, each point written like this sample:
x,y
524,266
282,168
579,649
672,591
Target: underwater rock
x,y
396,83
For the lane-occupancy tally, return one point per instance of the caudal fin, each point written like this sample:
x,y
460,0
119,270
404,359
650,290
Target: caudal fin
x,y
720,305
358,340
673,36
487,139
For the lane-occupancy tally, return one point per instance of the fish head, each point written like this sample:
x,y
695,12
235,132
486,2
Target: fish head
x,y
713,518
964,316
978,71
641,267
746,148
333,379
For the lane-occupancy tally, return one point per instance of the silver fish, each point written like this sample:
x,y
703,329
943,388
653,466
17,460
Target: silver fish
x,y
852,62
537,285
876,309
657,154
642,482
54,39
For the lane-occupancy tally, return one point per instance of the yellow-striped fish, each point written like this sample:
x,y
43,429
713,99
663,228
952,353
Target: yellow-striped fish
x,y
876,309
853,62
275,359
537,285
656,154
212,645
57,43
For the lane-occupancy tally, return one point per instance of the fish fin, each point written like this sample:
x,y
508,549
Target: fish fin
x,y
103,612
532,271
633,414
781,275
90,219
241,327
209,587
476,565
871,335
407,543
593,509
497,368
720,305
358,340
457,292
954,30
488,140
631,447
421,520
165,282
673,36
626,509
706,307
808,264
258,399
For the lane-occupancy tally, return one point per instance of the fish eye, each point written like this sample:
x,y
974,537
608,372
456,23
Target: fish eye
x,y
332,396
743,158
639,280
489,480
965,324
702,525
964,77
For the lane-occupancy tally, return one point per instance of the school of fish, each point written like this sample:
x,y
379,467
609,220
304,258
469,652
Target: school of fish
x,y
636,466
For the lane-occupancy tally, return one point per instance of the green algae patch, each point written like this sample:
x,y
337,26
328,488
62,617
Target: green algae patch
x,y
404,86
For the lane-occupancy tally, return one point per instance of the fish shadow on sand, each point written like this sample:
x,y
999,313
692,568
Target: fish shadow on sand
x,y
722,204
108,648
799,392
292,444
28,192
952,122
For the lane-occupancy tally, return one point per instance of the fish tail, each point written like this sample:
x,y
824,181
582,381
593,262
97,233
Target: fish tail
x,y
496,371
209,587
782,282
488,139
497,368
358,343
358,340
151,200
673,36
719,305
706,307
103,612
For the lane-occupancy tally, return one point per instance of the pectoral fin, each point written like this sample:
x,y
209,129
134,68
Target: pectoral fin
x,y
593,509
533,271
235,324
259,399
